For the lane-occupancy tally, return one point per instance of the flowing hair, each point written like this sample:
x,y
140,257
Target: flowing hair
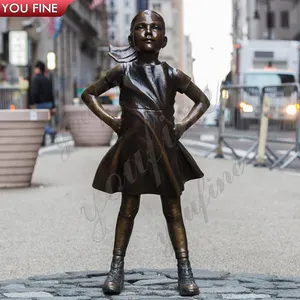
x,y
128,53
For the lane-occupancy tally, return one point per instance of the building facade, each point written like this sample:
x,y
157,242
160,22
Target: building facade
x,y
188,60
243,24
80,48
120,14
276,19
82,44
265,19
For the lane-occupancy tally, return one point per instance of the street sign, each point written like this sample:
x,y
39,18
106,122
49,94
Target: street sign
x,y
18,48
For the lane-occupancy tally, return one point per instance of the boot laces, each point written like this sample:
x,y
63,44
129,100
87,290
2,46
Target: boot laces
x,y
187,274
115,272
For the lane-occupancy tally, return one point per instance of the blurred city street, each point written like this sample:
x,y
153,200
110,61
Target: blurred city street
x,y
204,138
235,222
242,219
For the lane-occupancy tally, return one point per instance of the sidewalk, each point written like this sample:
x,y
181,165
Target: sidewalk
x,y
61,224
151,284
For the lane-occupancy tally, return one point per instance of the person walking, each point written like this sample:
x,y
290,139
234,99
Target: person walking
x,y
41,96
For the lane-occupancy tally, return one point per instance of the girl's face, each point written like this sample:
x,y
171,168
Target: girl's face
x,y
148,33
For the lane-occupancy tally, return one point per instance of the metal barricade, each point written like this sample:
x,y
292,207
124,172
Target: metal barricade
x,y
283,106
273,105
239,107
13,97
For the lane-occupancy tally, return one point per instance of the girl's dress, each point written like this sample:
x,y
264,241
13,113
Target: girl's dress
x,y
147,158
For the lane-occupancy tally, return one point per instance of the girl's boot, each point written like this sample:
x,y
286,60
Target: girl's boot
x,y
186,283
114,282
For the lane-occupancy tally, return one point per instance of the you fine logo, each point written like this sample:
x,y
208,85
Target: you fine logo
x,y
33,8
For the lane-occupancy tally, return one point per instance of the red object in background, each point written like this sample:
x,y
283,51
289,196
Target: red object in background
x,y
51,25
95,3
54,25
33,8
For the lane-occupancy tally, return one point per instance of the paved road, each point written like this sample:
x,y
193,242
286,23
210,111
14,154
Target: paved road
x,y
202,139
238,219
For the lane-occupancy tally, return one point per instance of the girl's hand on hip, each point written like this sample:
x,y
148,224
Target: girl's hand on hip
x,y
179,130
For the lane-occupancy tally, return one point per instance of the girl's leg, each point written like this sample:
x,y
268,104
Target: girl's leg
x,y
128,210
173,214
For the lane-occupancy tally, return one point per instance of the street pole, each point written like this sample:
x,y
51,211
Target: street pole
x,y
269,20
29,71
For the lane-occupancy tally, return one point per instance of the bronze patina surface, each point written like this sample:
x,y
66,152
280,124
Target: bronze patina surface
x,y
148,157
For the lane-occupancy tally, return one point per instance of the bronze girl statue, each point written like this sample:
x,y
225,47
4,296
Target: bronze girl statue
x,y
147,157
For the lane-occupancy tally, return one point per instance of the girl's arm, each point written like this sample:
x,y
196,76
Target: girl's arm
x,y
96,89
201,105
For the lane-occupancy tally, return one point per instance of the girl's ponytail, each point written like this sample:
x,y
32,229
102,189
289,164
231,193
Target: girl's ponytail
x,y
122,54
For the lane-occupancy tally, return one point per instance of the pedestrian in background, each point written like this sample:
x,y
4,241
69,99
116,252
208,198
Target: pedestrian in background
x,y
42,96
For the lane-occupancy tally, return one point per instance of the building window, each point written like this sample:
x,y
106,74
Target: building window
x,y
142,5
112,36
285,19
112,3
270,19
127,19
74,48
112,18
156,7
126,3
